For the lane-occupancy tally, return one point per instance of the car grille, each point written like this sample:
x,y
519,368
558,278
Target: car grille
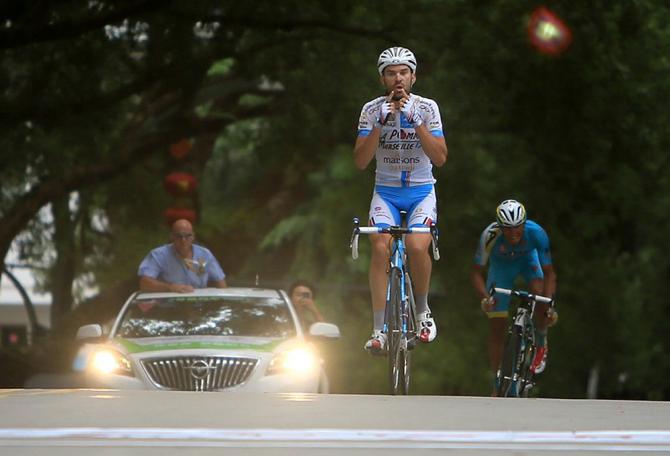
x,y
199,373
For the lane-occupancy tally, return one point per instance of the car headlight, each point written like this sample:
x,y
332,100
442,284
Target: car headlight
x,y
110,362
295,361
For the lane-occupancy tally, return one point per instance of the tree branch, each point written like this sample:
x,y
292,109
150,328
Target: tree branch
x,y
17,37
139,148
294,25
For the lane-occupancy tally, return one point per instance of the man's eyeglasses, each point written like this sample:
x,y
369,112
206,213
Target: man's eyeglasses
x,y
305,295
182,235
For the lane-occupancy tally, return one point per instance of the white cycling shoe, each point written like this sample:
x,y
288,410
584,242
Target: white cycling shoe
x,y
376,345
427,327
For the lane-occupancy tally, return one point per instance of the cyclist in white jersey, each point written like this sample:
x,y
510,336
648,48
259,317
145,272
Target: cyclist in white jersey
x,y
403,132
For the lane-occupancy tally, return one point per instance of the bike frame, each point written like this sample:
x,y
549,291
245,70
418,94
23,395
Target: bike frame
x,y
397,263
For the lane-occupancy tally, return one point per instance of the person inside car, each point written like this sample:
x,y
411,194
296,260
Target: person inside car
x,y
302,294
180,266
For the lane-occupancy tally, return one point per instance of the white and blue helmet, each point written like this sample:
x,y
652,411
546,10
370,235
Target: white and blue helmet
x,y
396,56
511,213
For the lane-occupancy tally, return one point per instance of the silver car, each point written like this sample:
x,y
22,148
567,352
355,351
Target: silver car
x,y
230,339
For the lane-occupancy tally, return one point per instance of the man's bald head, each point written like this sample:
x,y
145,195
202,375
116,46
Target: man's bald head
x,y
182,225
182,237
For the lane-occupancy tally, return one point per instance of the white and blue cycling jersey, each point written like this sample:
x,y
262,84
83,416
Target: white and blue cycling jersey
x,y
401,161
507,261
404,174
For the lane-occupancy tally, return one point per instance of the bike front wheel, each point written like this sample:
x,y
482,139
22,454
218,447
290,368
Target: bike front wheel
x,y
507,376
399,367
527,381
399,356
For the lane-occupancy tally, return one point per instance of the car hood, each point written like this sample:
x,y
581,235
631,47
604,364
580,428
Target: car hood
x,y
154,344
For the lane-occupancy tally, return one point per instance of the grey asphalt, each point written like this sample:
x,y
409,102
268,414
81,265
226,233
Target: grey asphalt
x,y
106,422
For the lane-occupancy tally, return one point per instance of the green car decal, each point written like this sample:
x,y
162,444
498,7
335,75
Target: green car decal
x,y
133,347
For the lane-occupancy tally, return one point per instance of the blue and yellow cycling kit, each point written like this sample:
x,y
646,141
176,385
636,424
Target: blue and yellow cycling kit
x,y
507,261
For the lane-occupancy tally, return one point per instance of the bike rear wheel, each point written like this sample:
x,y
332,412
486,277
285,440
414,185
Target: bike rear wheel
x,y
398,354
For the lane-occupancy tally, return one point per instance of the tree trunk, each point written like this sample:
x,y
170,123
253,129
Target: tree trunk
x,y
63,272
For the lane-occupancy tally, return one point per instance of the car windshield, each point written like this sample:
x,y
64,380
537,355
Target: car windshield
x,y
205,316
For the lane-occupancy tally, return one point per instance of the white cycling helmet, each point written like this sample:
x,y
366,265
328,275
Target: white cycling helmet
x,y
511,213
396,56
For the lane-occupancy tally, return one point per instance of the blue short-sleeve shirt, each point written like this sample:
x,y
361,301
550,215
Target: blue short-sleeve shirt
x,y
164,263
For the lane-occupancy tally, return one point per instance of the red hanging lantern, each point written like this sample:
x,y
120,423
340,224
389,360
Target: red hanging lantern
x,y
181,149
547,32
180,184
172,214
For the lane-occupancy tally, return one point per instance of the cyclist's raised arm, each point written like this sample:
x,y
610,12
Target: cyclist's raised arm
x,y
369,131
365,148
435,147
424,115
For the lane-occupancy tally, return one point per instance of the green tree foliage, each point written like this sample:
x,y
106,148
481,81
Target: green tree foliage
x,y
270,95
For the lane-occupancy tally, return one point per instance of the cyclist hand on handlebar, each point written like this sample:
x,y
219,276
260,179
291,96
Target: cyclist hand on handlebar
x,y
552,316
488,303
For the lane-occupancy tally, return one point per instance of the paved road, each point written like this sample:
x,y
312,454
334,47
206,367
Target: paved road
x,y
79,422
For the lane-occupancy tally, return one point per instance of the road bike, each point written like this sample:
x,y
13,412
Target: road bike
x,y
400,325
514,377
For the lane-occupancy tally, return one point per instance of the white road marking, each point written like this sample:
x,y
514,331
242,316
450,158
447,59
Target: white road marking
x,y
633,440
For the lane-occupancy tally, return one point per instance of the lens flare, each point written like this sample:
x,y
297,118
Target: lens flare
x,y
548,33
295,361
104,361
109,361
299,360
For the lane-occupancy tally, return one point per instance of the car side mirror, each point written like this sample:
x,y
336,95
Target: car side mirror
x,y
322,329
93,331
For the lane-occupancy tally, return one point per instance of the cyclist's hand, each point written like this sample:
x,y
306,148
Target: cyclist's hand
x,y
488,303
387,108
409,106
552,316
